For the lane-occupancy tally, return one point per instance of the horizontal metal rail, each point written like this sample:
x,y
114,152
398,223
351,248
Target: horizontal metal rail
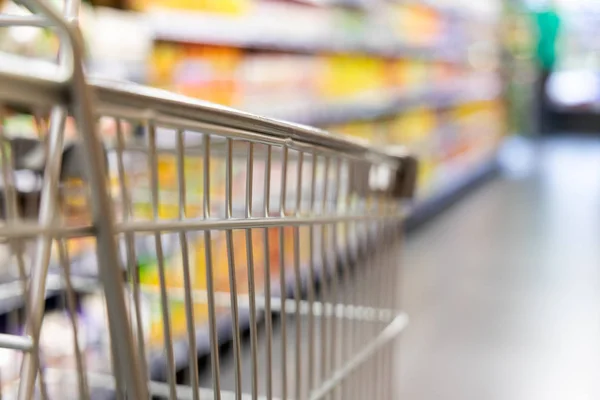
x,y
23,343
37,85
246,223
24,20
126,96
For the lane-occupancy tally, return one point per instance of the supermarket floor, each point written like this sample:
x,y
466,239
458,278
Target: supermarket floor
x,y
504,288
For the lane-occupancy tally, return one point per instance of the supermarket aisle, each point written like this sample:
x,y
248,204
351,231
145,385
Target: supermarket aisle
x,y
504,289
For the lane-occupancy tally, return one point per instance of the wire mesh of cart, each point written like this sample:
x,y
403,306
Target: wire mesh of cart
x,y
158,246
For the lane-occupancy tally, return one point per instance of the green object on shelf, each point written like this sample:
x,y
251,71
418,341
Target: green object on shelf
x,y
146,268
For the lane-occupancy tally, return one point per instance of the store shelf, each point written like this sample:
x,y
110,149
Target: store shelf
x,y
354,4
263,31
388,105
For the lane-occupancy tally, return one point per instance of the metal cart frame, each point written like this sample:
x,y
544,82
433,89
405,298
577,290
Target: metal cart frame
x,y
329,189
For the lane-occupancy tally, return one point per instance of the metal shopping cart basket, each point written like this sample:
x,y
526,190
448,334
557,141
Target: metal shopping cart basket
x,y
191,232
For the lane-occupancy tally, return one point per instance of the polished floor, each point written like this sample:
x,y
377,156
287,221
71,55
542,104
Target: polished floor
x,y
503,289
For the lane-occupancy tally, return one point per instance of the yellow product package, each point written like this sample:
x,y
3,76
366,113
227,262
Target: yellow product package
x,y
346,77
235,7
413,126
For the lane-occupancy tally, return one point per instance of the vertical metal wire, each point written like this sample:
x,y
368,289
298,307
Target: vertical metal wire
x,y
132,269
334,342
251,278
369,272
121,390
267,277
363,327
389,288
65,262
381,300
35,300
358,271
210,287
42,383
164,296
390,228
379,271
9,189
311,279
282,274
249,178
183,240
346,339
393,207
298,281
324,284
102,211
395,296
232,273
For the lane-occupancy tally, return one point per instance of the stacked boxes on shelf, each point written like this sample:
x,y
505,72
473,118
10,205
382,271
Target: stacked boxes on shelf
x,y
370,71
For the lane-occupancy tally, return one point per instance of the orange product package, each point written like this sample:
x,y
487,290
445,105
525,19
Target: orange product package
x,y
398,74
204,72
417,25
164,58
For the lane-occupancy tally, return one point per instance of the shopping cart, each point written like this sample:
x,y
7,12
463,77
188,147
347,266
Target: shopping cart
x,y
203,223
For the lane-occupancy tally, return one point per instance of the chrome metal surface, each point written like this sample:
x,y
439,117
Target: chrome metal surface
x,y
204,222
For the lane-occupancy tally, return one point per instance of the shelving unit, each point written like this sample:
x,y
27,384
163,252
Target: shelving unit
x,y
390,73
261,31
390,106
422,85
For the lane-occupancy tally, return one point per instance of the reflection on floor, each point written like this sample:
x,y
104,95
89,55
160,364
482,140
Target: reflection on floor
x,y
504,288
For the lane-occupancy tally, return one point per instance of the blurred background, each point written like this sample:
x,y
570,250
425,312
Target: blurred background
x,y
424,74
501,286
445,78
